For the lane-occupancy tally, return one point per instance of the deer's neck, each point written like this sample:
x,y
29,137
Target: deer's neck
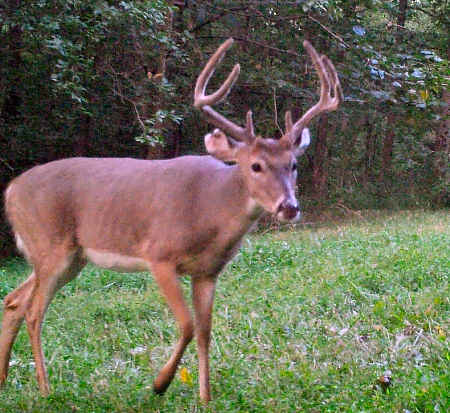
x,y
241,209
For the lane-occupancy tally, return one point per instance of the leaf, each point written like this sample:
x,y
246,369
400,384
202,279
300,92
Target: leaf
x,y
418,74
378,307
380,94
138,350
424,94
125,5
185,376
343,331
360,31
376,73
440,331
404,56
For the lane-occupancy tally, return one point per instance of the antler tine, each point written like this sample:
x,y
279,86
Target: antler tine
x,y
288,122
200,98
204,102
327,102
338,95
250,130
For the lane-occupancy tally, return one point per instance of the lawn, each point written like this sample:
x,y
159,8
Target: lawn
x,y
350,315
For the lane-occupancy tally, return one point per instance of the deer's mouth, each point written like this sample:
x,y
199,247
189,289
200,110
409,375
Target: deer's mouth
x,y
288,212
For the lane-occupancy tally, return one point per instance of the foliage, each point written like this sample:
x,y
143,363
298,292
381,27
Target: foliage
x,y
81,64
305,320
115,78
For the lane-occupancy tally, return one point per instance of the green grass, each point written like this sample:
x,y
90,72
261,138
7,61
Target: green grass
x,y
306,319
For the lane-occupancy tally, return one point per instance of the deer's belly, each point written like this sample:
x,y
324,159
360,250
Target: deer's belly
x,y
116,262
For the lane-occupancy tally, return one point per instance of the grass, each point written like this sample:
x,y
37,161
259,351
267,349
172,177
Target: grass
x,y
306,319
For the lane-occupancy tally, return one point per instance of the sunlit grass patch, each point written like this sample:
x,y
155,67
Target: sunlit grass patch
x,y
306,319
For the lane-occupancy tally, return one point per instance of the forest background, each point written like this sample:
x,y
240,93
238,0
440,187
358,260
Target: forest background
x,y
116,78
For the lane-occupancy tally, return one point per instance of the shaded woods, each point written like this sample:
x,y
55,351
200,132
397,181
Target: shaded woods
x,y
115,78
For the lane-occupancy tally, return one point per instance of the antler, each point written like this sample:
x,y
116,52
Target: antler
x,y
204,102
327,102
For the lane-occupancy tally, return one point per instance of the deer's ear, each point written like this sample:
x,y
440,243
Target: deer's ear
x,y
222,146
302,142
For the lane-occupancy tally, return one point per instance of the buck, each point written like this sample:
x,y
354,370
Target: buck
x,y
186,215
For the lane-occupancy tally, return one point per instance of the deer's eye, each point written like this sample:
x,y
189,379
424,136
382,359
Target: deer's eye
x,y
256,167
294,166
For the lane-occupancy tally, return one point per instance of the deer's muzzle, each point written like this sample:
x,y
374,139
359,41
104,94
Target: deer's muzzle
x,y
288,211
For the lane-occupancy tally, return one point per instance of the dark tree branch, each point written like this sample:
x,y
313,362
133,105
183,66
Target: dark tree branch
x,y
216,18
261,44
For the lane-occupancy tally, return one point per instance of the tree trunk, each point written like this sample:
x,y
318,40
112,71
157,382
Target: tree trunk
x,y
10,118
386,152
157,150
441,149
10,112
401,18
320,160
369,153
83,140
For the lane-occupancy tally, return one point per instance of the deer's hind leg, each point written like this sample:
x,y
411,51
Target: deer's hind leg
x,y
51,275
15,306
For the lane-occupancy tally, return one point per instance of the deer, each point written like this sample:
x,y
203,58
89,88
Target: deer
x,y
173,217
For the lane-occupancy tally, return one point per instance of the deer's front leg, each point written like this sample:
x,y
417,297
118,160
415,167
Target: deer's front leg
x,y
203,297
167,280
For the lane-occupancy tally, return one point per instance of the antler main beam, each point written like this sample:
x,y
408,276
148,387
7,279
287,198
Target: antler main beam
x,y
204,101
330,94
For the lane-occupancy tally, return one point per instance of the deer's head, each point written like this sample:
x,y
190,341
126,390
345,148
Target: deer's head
x,y
268,166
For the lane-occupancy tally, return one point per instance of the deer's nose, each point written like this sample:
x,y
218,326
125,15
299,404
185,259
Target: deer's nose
x,y
288,210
